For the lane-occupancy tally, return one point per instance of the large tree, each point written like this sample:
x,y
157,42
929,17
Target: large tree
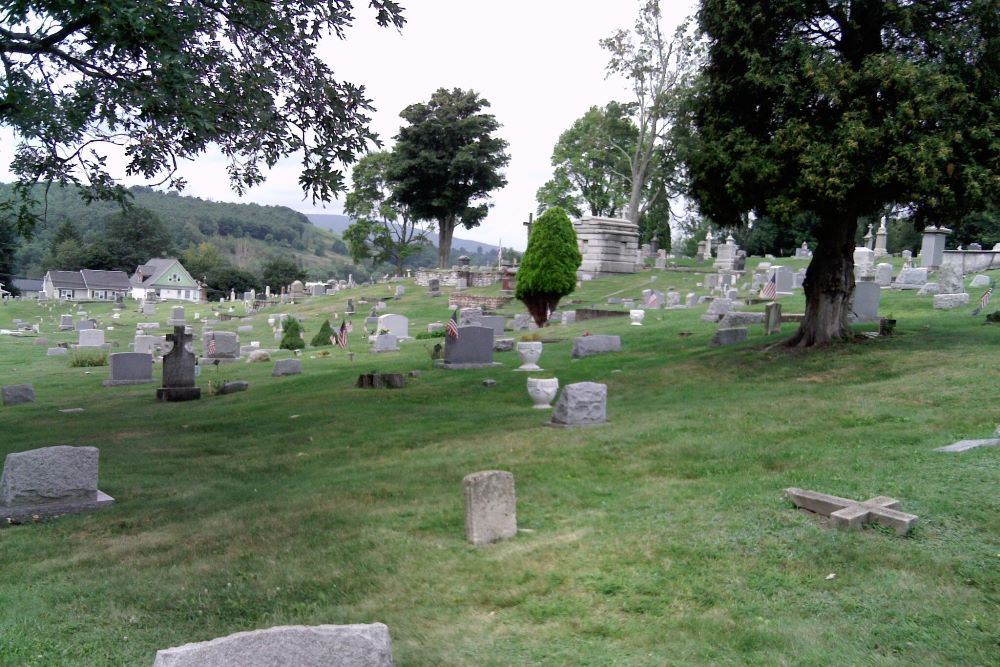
x,y
447,161
159,82
592,172
383,229
840,109
658,67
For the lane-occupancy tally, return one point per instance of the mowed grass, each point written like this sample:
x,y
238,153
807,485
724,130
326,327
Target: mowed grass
x,y
661,538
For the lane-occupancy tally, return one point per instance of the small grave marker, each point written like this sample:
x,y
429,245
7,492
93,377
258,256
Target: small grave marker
x,y
490,506
853,514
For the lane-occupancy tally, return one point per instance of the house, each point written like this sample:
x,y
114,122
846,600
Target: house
x,y
167,279
86,285
29,288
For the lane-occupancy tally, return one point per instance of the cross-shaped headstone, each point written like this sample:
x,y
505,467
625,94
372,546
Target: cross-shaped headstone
x,y
853,514
531,220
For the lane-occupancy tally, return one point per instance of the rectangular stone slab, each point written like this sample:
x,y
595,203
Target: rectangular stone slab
x,y
965,445
29,513
360,645
490,506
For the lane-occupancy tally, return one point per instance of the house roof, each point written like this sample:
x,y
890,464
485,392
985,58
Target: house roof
x,y
117,280
151,271
67,279
27,284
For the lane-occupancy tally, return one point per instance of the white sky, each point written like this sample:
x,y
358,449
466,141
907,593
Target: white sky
x,y
538,62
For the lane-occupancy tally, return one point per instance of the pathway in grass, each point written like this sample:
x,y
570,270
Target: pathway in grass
x,y
661,537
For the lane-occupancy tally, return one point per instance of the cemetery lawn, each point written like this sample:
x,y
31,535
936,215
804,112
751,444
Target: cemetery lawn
x,y
659,538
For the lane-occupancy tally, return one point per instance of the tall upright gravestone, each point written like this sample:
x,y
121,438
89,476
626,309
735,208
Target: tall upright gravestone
x,y
178,370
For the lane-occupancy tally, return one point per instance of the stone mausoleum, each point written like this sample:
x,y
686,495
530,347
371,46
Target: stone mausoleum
x,y
609,246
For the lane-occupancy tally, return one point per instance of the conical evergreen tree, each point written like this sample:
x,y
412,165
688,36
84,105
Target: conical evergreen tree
x,y
322,337
292,338
548,271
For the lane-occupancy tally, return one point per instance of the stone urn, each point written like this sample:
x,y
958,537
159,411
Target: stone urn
x,y
529,353
636,316
542,391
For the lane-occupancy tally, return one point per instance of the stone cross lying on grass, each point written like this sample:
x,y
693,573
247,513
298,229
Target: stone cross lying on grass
x,y
853,514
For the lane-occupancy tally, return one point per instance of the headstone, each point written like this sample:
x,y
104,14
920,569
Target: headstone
x,y
397,325
716,310
284,367
244,328
495,322
965,445
143,343
569,317
66,323
803,252
911,278
50,481
178,369
434,327
737,318
233,387
433,287
227,345
865,302
258,356
932,246
503,344
672,299
349,309
40,341
784,280
883,274
980,280
490,506
907,259
864,264
581,404
853,514
385,343
523,322
588,346
56,352
400,291
84,325
472,349
91,338
129,368
728,336
176,316
772,318
297,290
148,309
381,381
691,299
950,280
929,289
17,394
361,645
470,316
950,301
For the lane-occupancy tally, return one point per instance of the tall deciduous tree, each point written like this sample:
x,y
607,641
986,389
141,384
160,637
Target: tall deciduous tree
x,y
592,170
447,161
382,229
840,109
134,236
658,67
164,80
548,271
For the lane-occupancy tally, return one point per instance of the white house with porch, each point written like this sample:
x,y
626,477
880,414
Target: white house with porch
x,y
86,285
167,279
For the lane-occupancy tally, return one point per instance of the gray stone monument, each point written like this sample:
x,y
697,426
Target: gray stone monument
x,y
588,346
772,318
178,370
864,305
360,645
472,349
932,246
226,345
17,394
581,404
490,506
284,367
48,482
853,514
129,368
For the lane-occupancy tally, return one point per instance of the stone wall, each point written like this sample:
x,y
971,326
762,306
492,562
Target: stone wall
x,y
477,277
474,300
972,261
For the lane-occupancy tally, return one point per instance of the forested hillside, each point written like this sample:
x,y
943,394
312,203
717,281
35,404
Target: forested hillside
x,y
243,237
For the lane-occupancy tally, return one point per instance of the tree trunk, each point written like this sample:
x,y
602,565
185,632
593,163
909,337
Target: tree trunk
x,y
446,228
539,306
635,197
829,284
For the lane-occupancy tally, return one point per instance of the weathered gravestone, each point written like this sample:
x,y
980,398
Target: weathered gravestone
x,y
83,325
360,645
48,482
728,336
17,394
965,445
66,323
495,322
223,345
853,514
433,287
587,346
284,367
980,280
772,318
56,352
581,404
950,280
470,316
716,310
490,506
865,301
129,368
176,316
90,338
910,278
178,369
385,343
397,325
472,349
144,343
233,387
883,274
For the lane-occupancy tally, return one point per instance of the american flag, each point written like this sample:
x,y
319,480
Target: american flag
x,y
451,329
770,288
341,335
984,301
211,347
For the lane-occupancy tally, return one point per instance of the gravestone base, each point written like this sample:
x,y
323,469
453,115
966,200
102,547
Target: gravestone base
x,y
123,383
177,394
30,513
559,425
461,367
210,361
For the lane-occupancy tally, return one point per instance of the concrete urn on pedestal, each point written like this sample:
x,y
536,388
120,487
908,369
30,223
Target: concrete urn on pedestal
x,y
637,316
542,391
529,352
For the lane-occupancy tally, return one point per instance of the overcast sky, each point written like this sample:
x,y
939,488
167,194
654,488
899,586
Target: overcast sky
x,y
538,62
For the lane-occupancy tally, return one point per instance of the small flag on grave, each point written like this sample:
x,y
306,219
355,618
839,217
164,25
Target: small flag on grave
x,y
770,288
211,347
451,329
984,301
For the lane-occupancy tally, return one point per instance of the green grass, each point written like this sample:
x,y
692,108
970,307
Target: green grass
x,y
659,538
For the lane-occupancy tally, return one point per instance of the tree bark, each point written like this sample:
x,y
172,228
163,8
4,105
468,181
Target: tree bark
x,y
829,284
446,229
540,305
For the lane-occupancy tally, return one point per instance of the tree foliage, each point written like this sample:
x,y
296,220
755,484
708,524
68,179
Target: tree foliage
x,y
842,109
447,161
592,171
159,82
548,270
383,230
280,272
323,336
